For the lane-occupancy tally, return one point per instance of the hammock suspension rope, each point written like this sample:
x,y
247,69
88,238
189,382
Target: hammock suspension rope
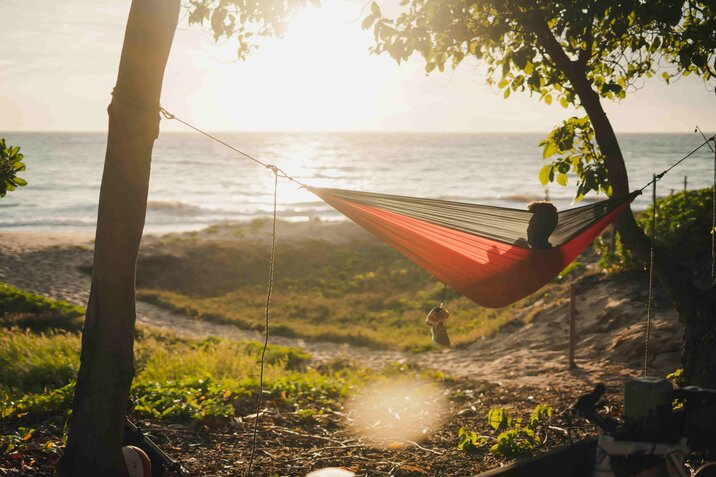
x,y
650,300
713,203
272,263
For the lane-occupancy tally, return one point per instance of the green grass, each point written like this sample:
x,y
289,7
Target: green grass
x,y
26,310
175,377
35,362
360,292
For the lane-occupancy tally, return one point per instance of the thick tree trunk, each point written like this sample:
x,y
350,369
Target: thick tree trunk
x,y
696,307
107,365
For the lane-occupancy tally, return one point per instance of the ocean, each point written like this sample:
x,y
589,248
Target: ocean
x,y
196,182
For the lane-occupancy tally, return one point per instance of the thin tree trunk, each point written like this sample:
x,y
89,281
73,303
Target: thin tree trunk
x,y
107,364
696,307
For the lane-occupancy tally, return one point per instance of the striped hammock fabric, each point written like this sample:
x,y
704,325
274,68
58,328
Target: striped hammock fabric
x,y
480,251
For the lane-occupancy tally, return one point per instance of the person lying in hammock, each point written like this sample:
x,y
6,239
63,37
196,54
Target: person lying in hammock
x,y
542,224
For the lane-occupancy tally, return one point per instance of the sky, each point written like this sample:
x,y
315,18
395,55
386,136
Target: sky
x,y
59,63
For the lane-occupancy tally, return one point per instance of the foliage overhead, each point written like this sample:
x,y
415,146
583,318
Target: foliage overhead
x,y
558,50
10,165
247,20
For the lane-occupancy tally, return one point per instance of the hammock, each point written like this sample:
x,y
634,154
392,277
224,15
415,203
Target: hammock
x,y
480,251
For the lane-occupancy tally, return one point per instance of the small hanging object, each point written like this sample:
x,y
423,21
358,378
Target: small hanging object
x,y
436,320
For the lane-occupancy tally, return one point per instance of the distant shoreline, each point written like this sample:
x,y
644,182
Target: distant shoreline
x,y
178,131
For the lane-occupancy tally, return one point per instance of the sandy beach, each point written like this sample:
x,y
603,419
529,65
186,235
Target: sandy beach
x,y
531,349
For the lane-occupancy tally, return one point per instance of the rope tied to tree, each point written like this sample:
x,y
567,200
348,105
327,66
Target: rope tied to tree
x,y
275,169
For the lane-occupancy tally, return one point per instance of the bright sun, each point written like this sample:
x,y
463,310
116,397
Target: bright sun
x,y
319,76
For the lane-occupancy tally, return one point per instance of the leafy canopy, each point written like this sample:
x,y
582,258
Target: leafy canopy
x,y
549,48
10,165
246,20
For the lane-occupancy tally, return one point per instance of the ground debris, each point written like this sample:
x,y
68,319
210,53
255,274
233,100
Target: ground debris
x,y
292,445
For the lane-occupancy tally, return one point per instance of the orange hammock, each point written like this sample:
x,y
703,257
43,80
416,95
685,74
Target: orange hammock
x,y
480,251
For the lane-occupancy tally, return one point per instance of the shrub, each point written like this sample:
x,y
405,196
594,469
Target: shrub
x,y
683,229
10,165
683,223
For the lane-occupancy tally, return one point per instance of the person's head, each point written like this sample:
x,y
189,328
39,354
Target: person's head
x,y
542,224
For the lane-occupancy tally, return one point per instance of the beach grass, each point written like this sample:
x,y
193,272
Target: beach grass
x,y
36,362
20,308
359,292
175,377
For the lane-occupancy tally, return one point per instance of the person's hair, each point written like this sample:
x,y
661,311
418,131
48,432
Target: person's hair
x,y
544,219
542,207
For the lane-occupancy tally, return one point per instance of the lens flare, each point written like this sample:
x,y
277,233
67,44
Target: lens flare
x,y
398,410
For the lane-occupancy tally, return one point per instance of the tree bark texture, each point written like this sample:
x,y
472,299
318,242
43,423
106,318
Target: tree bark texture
x,y
696,307
107,363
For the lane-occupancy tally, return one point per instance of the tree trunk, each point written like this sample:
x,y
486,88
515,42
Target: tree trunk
x,y
697,312
696,307
107,364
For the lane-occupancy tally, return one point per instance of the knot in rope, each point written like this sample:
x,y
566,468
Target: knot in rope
x,y
166,114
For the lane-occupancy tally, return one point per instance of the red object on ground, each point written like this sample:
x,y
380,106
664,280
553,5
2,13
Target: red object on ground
x,y
135,463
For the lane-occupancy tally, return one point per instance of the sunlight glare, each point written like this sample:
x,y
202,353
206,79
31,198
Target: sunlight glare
x,y
318,77
398,410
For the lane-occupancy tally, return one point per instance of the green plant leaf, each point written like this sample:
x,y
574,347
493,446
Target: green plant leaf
x,y
544,174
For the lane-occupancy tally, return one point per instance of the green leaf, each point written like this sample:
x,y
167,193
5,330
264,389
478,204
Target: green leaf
x,y
655,44
548,99
367,22
550,149
495,417
562,179
503,82
507,93
563,101
375,10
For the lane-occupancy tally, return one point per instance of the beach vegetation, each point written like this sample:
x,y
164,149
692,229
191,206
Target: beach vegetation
x,y
578,54
511,436
176,377
182,379
361,292
683,229
10,165
684,222
613,256
27,310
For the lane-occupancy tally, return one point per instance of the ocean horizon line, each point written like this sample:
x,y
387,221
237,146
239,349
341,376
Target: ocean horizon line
x,y
367,131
